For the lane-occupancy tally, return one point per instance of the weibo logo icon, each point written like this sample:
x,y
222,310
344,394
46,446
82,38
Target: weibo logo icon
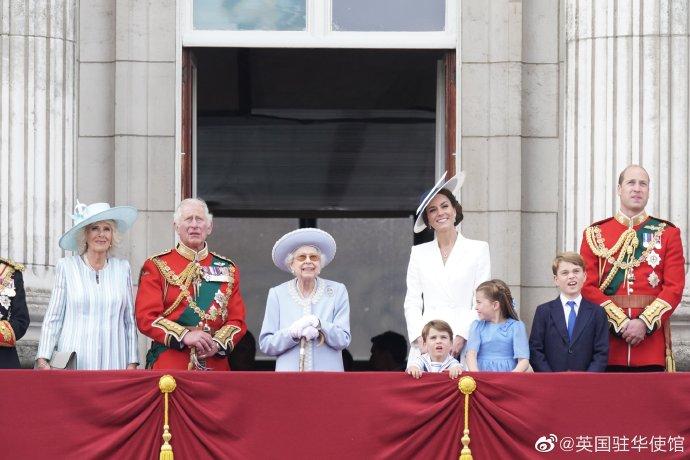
x,y
546,444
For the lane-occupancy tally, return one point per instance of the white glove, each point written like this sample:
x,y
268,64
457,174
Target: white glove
x,y
296,327
313,320
310,333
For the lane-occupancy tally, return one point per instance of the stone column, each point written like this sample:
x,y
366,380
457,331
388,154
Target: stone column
x,y
510,140
37,132
490,115
145,122
626,101
146,97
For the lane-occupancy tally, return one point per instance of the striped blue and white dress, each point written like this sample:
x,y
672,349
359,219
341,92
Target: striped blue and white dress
x,y
95,319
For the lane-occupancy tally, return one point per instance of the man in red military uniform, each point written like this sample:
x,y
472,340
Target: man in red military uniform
x,y
14,315
189,299
636,271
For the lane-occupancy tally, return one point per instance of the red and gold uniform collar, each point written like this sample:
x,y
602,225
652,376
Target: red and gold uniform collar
x,y
631,221
190,254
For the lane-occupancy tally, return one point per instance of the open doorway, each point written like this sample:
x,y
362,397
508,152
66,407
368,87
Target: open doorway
x,y
346,140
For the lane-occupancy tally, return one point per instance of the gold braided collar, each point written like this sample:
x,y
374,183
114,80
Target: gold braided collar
x,y
183,281
631,221
191,254
190,274
625,248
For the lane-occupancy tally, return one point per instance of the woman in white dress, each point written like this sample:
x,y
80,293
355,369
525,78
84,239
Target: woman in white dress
x,y
307,320
91,310
443,274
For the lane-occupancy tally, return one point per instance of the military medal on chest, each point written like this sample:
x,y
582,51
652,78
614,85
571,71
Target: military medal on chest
x,y
653,279
650,241
622,255
216,274
7,292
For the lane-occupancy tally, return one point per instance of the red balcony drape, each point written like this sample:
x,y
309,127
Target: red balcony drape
x,y
67,414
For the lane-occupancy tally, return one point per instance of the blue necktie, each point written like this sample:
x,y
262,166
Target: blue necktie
x,y
572,317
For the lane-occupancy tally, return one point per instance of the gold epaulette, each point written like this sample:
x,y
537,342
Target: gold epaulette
x,y
602,221
651,316
227,259
17,266
617,318
160,254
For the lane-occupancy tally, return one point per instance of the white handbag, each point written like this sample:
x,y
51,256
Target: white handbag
x,y
64,360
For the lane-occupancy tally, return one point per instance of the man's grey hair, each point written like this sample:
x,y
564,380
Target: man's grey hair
x,y
187,201
290,257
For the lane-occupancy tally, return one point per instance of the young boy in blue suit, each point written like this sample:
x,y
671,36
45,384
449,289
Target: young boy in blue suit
x,y
569,333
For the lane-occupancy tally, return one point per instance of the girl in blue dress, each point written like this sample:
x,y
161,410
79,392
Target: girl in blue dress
x,y
498,340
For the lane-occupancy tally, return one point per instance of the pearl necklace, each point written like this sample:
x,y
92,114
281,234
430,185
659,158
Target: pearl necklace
x,y
311,292
85,258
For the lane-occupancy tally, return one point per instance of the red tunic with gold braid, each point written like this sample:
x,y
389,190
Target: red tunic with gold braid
x,y
14,315
635,269
182,290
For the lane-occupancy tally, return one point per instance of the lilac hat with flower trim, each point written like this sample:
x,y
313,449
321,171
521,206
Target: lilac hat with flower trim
x,y
124,217
303,237
453,184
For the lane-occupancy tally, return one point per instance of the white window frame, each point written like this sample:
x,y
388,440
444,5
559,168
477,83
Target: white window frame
x,y
319,33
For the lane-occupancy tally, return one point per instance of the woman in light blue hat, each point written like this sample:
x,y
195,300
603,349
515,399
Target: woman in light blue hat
x,y
307,319
91,309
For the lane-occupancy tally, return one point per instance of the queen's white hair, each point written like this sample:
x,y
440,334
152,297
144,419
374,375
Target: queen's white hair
x,y
290,257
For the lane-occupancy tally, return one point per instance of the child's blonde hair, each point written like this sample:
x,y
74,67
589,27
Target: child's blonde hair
x,y
568,256
498,291
439,325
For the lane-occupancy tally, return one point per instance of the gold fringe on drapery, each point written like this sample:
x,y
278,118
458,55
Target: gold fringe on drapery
x,y
167,385
466,385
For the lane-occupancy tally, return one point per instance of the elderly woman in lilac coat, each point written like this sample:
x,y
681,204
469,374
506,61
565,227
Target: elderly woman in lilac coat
x,y
307,320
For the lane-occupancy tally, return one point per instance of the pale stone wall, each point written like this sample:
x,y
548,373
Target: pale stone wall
x,y
145,126
541,129
37,136
554,98
101,75
626,101
490,88
509,145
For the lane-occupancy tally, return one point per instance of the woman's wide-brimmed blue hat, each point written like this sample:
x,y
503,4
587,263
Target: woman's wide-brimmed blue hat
x,y
124,217
303,237
453,184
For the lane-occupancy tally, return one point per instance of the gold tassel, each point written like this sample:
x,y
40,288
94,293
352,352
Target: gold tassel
x,y
670,361
167,385
466,385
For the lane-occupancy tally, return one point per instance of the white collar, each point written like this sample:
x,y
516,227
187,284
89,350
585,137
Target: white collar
x,y
565,300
